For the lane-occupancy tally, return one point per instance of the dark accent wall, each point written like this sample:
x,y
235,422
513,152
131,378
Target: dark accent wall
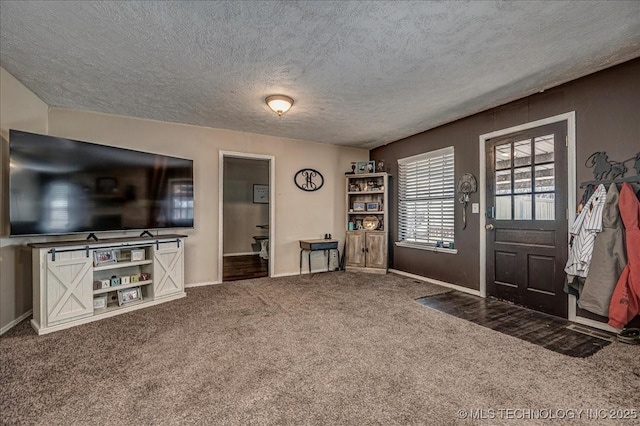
x,y
607,107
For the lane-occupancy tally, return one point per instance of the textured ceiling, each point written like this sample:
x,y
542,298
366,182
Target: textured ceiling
x,y
361,73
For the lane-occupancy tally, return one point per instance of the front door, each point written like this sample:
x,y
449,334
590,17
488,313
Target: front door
x,y
526,218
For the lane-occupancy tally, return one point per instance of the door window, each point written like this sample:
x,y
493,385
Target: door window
x,y
525,179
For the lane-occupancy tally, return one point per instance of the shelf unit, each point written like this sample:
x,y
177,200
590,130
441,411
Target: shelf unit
x,y
119,265
367,234
66,278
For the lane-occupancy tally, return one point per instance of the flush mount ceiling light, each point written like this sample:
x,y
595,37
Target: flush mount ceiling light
x,y
279,103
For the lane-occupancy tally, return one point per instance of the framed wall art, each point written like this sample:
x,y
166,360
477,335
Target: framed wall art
x,y
260,194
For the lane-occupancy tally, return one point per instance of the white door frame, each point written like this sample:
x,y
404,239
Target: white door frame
x,y
570,119
272,204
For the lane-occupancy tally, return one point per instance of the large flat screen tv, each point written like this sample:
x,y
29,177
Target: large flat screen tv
x,y
62,186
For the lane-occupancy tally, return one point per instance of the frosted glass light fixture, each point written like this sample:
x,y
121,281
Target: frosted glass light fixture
x,y
279,103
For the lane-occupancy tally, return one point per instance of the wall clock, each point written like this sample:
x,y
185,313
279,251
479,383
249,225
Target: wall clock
x,y
308,180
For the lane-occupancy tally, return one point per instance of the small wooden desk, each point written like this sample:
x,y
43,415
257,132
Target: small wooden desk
x,y
317,245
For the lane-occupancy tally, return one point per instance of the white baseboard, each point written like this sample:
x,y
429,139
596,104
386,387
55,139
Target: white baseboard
x,y
190,285
286,274
437,282
16,322
573,317
595,324
304,272
247,253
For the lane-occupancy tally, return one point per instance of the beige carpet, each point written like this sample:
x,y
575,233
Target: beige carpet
x,y
333,348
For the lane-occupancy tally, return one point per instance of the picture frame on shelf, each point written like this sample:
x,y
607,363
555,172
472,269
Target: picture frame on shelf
x,y
100,301
104,257
380,166
358,207
129,295
371,166
361,167
137,255
373,207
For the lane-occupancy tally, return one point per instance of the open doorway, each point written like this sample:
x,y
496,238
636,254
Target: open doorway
x,y
246,213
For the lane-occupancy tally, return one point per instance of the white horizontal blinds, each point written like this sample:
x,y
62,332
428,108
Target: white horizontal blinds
x,y
426,197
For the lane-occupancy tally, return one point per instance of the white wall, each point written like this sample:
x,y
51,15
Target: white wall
x,y
299,214
20,109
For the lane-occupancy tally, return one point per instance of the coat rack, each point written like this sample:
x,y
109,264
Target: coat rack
x,y
606,171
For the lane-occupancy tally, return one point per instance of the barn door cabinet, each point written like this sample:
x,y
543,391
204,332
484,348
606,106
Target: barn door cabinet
x,y
72,285
366,222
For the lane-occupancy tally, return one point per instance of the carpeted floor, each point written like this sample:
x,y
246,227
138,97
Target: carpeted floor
x,y
333,348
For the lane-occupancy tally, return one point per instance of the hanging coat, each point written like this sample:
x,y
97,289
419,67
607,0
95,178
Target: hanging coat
x,y
608,259
583,234
625,302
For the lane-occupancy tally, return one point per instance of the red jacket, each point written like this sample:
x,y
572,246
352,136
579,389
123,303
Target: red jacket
x,y
625,301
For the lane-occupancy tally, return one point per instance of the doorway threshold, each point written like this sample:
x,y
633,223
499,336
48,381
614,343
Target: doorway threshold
x,y
553,333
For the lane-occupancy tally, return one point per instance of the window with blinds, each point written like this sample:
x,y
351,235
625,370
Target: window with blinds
x,y
426,198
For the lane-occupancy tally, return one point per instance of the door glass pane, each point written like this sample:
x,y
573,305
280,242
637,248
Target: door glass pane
x,y
545,179
522,180
503,156
503,207
544,149
522,207
522,153
545,206
503,182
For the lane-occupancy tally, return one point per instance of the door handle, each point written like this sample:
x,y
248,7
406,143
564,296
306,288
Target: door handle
x,y
489,227
363,249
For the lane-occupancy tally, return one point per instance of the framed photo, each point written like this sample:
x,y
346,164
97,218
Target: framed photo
x,y
137,255
380,166
100,302
260,194
361,167
373,207
371,166
358,207
129,295
102,257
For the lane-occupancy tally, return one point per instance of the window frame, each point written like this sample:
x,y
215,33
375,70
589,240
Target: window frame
x,y
445,195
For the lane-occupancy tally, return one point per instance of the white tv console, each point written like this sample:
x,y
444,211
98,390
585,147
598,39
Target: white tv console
x,y
67,276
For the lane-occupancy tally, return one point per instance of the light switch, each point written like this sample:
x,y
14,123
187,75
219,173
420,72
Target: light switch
x,y
475,207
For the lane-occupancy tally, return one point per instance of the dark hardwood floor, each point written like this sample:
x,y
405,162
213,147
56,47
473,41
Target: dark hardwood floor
x,y
244,267
544,330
